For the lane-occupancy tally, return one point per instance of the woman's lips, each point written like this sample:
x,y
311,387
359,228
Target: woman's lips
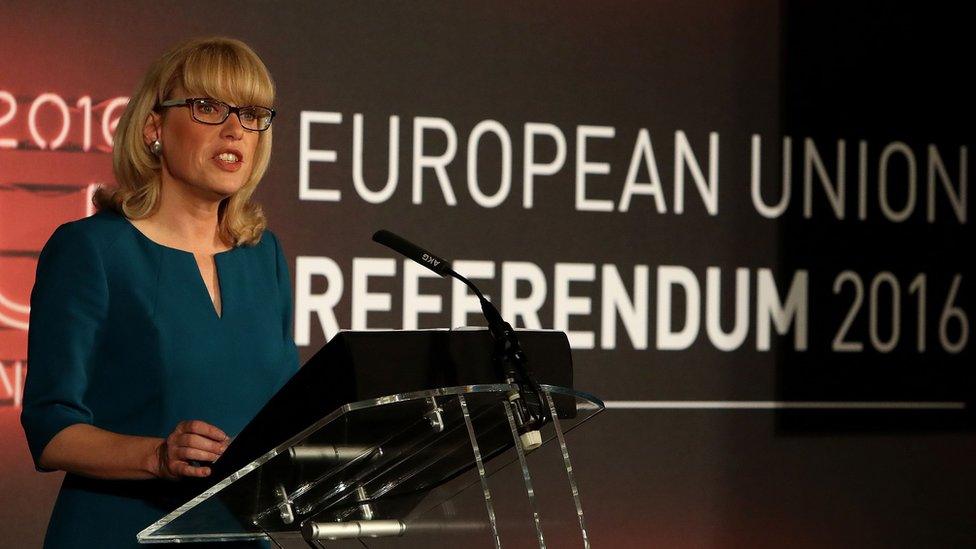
x,y
227,166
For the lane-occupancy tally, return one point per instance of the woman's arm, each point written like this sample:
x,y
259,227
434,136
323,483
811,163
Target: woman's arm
x,y
284,297
89,451
69,307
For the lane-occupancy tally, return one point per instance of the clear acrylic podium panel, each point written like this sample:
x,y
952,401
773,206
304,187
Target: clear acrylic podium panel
x,y
411,457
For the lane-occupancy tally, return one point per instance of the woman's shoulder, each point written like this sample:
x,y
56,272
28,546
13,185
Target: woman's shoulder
x,y
268,253
268,243
78,250
99,230
85,240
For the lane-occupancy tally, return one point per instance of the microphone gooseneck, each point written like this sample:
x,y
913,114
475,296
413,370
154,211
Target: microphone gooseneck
x,y
507,355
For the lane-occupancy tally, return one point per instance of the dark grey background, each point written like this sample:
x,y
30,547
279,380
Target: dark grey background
x,y
671,478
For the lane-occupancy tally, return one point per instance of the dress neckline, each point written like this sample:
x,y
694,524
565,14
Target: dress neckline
x,y
145,237
221,286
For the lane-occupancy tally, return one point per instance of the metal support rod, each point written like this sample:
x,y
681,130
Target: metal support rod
x,y
526,476
313,531
564,450
481,471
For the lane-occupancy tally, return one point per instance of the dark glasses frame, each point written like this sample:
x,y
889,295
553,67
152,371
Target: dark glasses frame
x,y
235,110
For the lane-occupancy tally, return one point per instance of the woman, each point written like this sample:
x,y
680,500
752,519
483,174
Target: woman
x,y
160,325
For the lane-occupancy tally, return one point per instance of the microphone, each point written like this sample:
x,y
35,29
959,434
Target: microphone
x,y
408,249
440,266
508,354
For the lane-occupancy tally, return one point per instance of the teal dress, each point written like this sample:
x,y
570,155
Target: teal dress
x,y
123,336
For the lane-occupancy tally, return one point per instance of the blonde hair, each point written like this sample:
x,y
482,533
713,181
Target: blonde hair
x,y
222,68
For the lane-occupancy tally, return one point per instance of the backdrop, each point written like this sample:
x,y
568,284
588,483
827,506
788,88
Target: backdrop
x,y
751,218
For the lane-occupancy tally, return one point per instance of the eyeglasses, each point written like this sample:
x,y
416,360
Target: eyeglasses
x,y
214,112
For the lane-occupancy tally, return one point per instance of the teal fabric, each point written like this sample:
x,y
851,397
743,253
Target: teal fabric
x,y
123,335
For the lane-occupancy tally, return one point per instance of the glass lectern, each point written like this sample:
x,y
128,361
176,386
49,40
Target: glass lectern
x,y
440,466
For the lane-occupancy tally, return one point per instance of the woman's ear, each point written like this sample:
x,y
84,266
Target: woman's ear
x,y
153,128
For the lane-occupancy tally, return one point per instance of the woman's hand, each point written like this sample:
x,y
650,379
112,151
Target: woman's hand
x,y
190,441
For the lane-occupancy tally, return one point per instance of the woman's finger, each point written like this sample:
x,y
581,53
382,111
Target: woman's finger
x,y
189,440
201,428
184,454
184,469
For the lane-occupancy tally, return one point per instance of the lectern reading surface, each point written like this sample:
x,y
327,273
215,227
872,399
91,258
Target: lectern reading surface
x,y
329,458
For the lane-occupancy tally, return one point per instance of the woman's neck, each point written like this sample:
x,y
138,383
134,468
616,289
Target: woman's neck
x,y
185,220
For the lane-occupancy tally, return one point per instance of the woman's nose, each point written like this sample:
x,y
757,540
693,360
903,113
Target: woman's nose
x,y
232,127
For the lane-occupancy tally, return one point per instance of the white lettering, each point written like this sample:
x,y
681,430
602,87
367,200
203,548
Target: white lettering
x,y
583,168
482,199
323,305
393,169
668,338
566,305
685,157
307,155
642,151
835,193
769,307
890,149
526,309
463,302
726,341
364,301
414,302
530,167
436,162
776,210
616,302
957,199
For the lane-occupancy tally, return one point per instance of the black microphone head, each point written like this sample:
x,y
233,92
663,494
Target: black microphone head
x,y
414,252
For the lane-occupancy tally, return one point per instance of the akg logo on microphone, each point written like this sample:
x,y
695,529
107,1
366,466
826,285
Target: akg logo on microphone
x,y
430,259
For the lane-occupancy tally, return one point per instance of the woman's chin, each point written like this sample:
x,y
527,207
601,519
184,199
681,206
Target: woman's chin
x,y
224,188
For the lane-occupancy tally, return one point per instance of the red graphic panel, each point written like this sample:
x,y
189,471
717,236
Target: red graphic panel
x,y
54,152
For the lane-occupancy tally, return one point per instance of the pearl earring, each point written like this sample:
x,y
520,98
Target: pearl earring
x,y
156,147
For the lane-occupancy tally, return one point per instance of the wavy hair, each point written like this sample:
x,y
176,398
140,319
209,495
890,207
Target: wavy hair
x,y
222,68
